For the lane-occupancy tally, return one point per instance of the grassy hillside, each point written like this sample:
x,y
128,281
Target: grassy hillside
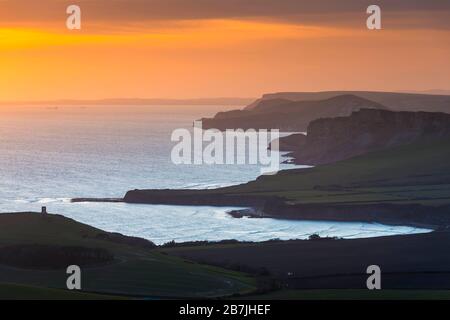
x,y
415,173
135,271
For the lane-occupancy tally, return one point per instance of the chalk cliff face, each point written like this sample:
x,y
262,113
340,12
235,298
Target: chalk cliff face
x,y
333,139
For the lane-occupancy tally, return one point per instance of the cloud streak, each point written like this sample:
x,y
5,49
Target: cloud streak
x,y
423,14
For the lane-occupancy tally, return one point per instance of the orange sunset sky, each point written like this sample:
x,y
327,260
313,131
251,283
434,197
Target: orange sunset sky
x,y
210,48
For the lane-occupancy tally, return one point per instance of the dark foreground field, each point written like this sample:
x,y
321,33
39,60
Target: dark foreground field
x,y
112,265
116,267
415,262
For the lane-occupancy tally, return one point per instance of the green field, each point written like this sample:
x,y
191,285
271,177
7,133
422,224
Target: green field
x,y
416,173
135,272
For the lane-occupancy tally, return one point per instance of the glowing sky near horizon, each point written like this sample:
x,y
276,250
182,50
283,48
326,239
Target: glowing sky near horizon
x,y
198,48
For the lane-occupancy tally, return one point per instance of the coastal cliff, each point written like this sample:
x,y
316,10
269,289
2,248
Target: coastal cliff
x,y
367,130
290,143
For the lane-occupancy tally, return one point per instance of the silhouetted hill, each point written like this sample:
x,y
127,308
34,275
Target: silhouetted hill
x,y
393,100
292,111
287,115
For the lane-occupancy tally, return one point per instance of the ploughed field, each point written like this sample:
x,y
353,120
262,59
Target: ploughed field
x,y
407,262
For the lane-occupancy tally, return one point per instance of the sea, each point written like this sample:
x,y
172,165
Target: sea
x,y
50,154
